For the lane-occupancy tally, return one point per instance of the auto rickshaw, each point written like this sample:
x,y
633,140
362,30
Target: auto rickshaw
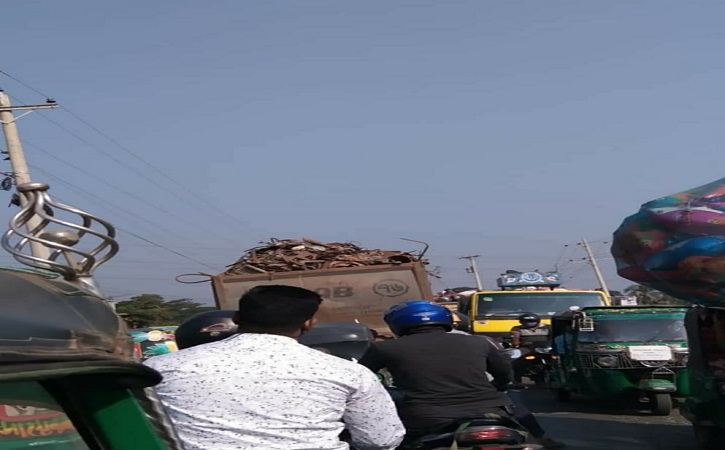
x,y
637,351
705,407
68,379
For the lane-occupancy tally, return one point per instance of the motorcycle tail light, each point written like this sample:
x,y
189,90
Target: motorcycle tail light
x,y
508,447
500,435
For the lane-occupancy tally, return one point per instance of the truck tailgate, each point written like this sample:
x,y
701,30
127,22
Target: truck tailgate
x,y
357,293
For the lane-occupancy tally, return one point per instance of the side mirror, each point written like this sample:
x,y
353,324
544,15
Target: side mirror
x,y
514,353
544,351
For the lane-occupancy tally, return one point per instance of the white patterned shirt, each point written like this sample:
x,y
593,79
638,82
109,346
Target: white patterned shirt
x,y
269,392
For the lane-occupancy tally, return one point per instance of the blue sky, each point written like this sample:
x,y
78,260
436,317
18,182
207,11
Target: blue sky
x,y
506,129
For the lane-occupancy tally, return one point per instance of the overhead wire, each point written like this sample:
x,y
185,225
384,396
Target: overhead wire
x,y
135,235
104,152
104,202
122,190
126,192
207,202
560,260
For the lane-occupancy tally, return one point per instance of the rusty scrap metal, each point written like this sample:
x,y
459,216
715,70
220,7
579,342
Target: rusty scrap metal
x,y
288,255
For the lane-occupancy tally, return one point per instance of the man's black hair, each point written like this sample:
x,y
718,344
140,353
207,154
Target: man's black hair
x,y
277,308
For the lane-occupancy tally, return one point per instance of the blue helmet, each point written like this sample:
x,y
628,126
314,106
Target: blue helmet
x,y
404,316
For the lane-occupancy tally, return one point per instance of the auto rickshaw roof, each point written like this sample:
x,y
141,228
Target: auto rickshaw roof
x,y
619,309
634,309
51,326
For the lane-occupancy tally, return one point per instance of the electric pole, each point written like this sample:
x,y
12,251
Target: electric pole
x,y
474,270
14,150
595,266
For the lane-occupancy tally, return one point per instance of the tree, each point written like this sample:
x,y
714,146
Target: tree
x,y
148,310
648,296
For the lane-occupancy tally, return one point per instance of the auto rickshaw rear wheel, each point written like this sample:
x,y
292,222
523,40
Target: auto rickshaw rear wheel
x,y
661,404
708,438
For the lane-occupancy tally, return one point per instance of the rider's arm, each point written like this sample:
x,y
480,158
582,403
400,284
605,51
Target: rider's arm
x,y
372,359
499,366
515,337
370,416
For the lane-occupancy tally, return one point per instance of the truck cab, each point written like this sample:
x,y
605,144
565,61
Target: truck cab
x,y
495,312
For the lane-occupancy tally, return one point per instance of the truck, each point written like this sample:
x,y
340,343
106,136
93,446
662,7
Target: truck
x,y
495,312
359,293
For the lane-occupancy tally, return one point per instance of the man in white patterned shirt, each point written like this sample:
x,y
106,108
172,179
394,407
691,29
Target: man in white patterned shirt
x,y
262,390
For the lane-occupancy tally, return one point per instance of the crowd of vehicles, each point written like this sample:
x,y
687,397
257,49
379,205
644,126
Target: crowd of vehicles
x,y
72,377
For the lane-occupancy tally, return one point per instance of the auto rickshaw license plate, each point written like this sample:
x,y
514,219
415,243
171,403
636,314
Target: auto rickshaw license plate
x,y
650,353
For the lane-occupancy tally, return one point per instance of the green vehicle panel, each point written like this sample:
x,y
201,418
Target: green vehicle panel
x,y
610,351
705,406
68,379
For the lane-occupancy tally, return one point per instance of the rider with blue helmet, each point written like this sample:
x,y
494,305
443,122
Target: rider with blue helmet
x,y
442,376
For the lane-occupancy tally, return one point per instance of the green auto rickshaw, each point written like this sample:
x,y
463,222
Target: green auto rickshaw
x,y
635,351
68,380
705,407
68,377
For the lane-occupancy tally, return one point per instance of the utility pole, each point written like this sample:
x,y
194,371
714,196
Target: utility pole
x,y
15,153
474,270
595,266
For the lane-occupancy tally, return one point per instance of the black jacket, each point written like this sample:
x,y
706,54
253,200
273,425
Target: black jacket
x,y
442,374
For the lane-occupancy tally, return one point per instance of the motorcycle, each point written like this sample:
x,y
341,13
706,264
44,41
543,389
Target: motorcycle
x,y
349,341
480,433
538,365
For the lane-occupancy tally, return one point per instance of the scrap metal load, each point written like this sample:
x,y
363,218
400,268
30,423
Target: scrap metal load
x,y
288,255
357,284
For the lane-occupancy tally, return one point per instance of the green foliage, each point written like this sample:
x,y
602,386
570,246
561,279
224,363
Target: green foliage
x,y
148,310
648,296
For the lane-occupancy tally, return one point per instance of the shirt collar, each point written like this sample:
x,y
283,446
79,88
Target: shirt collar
x,y
265,337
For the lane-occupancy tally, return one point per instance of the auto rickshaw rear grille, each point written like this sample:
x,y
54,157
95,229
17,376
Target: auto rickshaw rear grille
x,y
587,361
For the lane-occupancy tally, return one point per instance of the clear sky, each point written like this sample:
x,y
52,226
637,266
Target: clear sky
x,y
505,129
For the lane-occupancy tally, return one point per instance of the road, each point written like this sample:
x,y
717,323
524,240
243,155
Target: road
x,y
583,425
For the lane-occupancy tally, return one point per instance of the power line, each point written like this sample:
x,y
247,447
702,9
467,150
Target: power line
x,y
24,84
141,265
148,241
184,247
130,233
560,259
207,202
100,200
111,156
123,191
